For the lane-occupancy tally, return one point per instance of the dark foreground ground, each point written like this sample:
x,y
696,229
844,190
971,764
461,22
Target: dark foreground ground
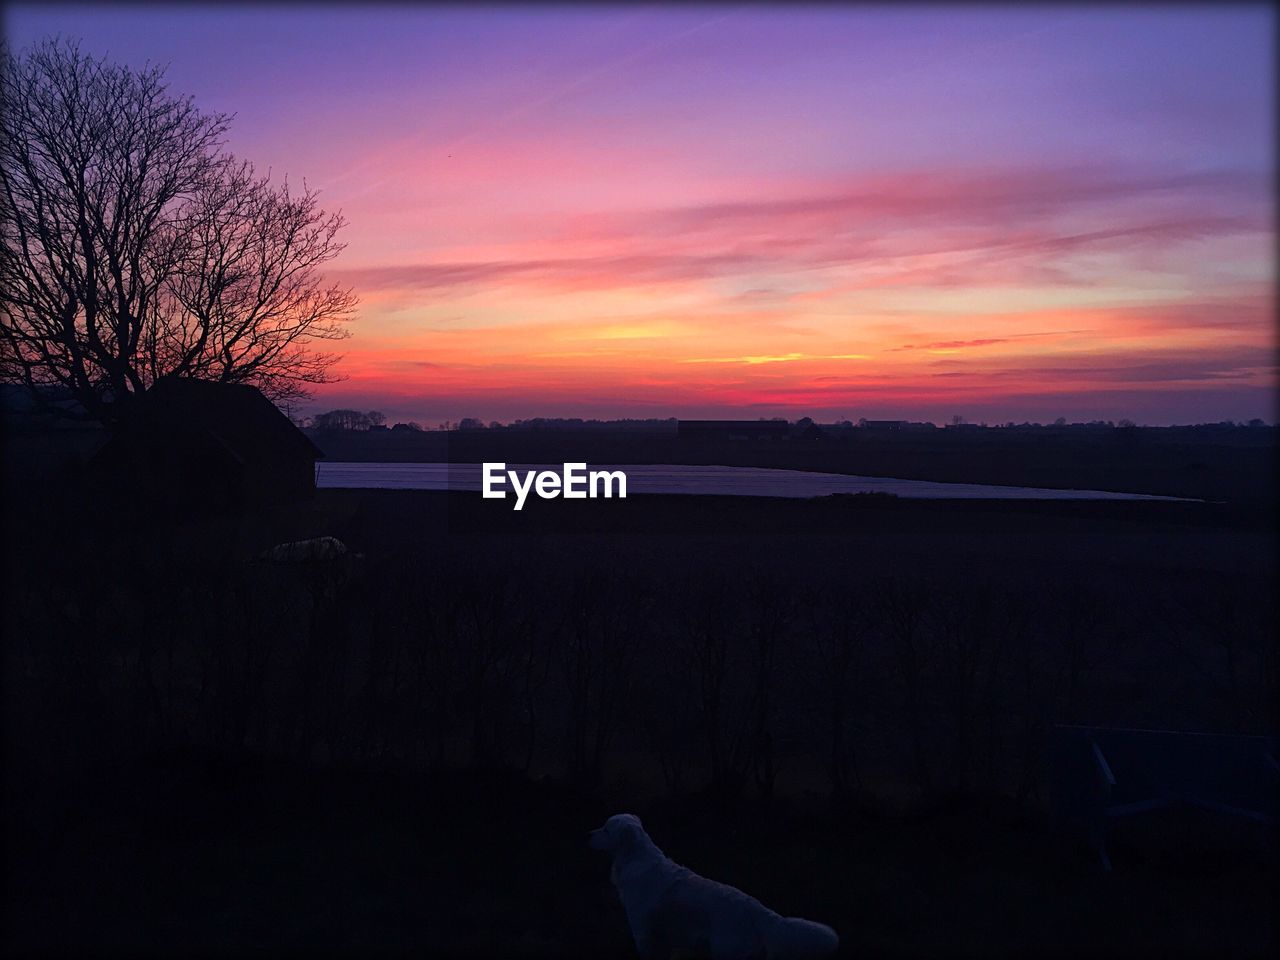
x,y
190,855
401,755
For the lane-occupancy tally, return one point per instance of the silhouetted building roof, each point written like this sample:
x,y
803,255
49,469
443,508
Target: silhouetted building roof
x,y
21,409
197,442
238,414
896,425
884,424
734,429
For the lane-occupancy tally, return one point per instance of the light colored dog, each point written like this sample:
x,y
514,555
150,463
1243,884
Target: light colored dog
x,y
673,911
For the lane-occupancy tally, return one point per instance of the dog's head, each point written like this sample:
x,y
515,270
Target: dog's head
x,y
620,835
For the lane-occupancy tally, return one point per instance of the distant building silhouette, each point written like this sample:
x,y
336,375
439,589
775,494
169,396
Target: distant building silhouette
x,y
200,446
733,430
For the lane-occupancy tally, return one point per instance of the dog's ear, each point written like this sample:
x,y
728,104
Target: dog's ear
x,y
628,837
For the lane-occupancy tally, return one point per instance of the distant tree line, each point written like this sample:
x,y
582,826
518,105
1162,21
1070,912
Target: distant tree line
x,y
356,420
804,426
347,420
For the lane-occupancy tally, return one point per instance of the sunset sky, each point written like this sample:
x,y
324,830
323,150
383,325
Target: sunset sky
x,y
764,211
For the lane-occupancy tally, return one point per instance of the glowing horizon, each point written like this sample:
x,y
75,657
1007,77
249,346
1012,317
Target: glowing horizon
x,y
841,213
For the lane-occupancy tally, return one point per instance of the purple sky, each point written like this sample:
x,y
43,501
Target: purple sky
x,y
836,211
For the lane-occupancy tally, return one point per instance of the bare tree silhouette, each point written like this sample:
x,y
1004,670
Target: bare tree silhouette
x,y
133,247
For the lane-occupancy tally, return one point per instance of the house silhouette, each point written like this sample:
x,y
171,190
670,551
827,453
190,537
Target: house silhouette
x,y
733,429
198,446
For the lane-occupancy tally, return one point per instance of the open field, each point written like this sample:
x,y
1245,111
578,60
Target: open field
x,y
839,706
